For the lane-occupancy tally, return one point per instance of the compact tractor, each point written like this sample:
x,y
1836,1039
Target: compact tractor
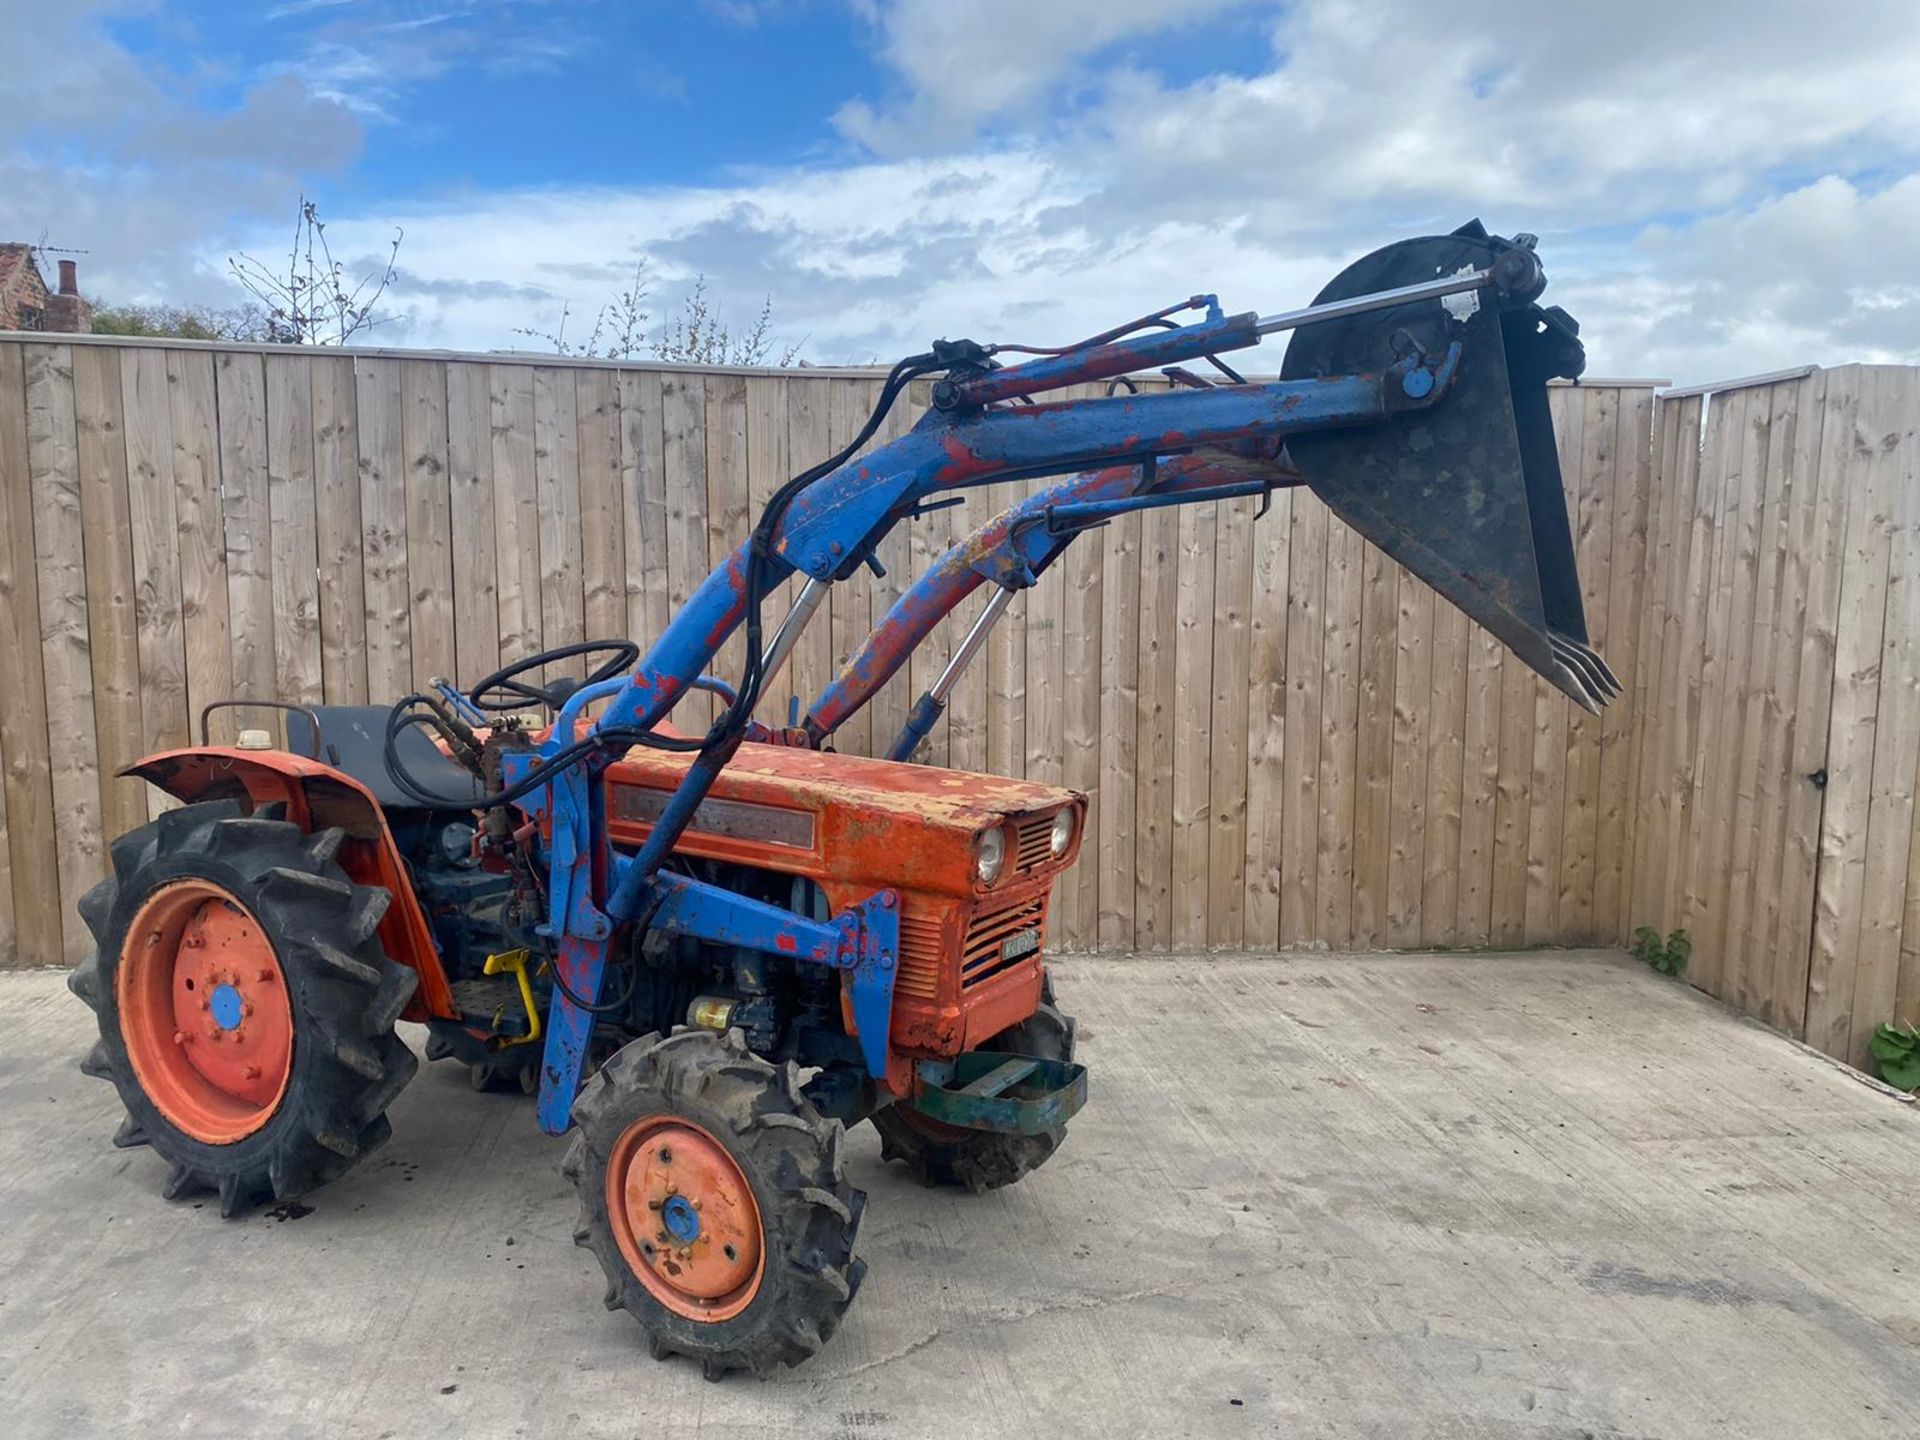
x,y
708,953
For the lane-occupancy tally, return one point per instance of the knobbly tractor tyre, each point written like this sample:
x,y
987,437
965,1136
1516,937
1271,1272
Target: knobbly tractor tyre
x,y
980,1160
245,1005
713,1195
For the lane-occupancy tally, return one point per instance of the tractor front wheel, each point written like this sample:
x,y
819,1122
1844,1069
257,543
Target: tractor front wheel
x,y
980,1160
245,1006
713,1195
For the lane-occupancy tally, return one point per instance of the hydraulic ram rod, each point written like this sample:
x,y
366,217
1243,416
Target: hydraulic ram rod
x,y
812,595
928,709
1378,300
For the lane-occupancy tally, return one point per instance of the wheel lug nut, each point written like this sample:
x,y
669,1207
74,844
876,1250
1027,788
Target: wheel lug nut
x,y
180,1037
252,1072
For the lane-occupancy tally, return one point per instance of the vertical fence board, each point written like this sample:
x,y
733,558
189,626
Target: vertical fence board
x,y
336,482
73,751
1373,821
516,512
1194,619
241,413
1627,605
556,478
1309,525
1267,723
1593,551
1446,748
113,641
1412,690
1154,746
643,500
603,562
24,749
203,547
156,555
429,503
1852,726
476,605
1480,781
293,534
1082,649
1232,659
1114,834
1756,768
381,413
1339,717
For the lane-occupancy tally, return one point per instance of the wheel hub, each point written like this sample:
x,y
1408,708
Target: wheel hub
x,y
685,1218
204,1012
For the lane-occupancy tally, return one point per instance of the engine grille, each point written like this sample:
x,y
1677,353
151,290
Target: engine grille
x,y
919,973
982,955
1033,844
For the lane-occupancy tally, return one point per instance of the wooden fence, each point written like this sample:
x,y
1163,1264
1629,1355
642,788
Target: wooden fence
x,y
1780,734
1287,740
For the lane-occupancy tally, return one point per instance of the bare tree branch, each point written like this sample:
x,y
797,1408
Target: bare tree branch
x,y
315,301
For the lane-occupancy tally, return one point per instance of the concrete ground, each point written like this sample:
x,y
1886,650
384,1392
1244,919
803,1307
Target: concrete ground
x,y
1548,1195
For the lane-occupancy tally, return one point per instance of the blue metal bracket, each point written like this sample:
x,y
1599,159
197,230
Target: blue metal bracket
x,y
863,942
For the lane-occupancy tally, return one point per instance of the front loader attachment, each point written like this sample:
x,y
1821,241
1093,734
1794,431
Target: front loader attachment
x,y
1465,493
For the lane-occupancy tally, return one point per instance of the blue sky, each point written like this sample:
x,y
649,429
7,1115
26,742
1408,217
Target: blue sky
x,y
1720,187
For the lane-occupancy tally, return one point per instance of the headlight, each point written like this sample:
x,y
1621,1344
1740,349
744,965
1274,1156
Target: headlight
x,y
989,855
1062,834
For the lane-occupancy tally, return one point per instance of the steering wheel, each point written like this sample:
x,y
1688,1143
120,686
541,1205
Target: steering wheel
x,y
518,694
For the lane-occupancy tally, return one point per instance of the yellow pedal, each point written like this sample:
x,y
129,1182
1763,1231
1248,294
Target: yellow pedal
x,y
514,962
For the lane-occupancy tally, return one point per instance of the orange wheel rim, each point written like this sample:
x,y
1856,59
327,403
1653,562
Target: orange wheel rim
x,y
204,1012
685,1218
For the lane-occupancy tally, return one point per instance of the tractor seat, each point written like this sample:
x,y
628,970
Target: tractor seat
x,y
353,740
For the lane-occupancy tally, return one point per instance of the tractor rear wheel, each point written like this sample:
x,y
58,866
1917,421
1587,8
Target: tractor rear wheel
x,y
713,1195
980,1160
245,1005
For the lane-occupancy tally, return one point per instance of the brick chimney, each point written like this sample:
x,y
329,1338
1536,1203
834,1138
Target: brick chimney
x,y
67,313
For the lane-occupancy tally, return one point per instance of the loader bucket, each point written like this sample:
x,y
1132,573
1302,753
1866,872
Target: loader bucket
x,y
1465,493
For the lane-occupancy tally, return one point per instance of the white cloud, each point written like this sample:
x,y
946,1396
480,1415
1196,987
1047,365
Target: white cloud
x,y
101,153
1720,188
1650,146
963,65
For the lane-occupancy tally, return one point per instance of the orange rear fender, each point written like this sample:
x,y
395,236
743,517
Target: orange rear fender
x,y
318,797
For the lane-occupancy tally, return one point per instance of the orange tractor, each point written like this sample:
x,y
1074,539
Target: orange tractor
x,y
708,954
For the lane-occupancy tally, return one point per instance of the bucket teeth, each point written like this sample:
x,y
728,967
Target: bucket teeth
x,y
1584,675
